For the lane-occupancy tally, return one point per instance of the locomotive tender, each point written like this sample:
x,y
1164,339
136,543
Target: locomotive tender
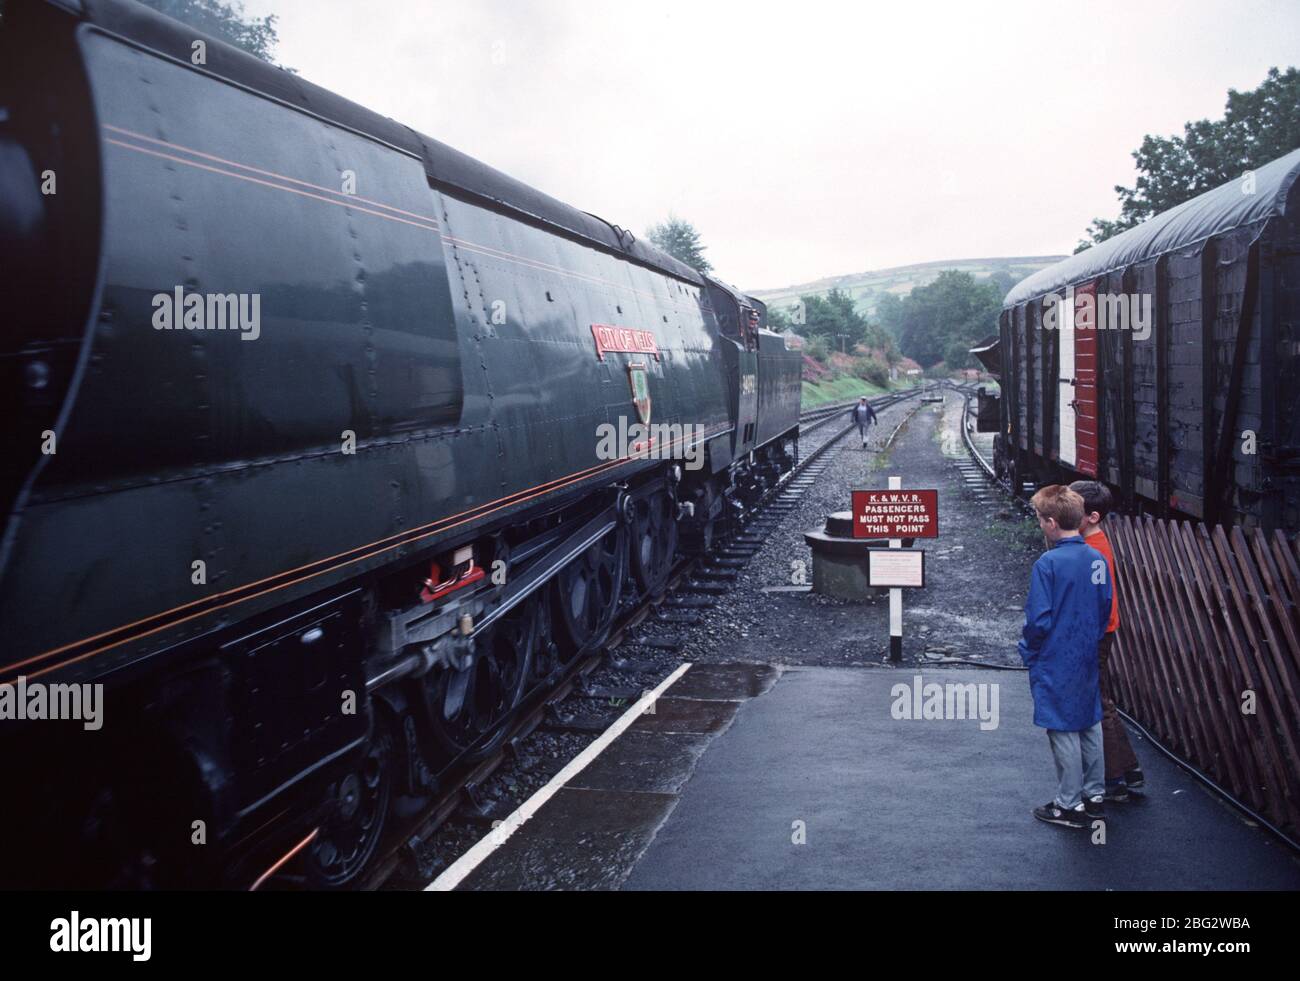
x,y
1163,361
305,408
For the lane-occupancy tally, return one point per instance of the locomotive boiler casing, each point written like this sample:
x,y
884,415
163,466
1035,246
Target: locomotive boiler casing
x,y
275,354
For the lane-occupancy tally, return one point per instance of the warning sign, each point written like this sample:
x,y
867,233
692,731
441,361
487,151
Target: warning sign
x,y
895,514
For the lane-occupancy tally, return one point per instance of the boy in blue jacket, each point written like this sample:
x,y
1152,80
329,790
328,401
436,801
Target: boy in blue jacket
x,y
1065,618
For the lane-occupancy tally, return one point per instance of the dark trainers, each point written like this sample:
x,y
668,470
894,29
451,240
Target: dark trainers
x,y
1117,791
1053,813
1134,779
1093,806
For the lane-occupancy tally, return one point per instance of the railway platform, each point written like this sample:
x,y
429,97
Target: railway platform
x,y
750,778
788,753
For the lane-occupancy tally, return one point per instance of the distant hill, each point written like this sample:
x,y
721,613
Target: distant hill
x,y
867,287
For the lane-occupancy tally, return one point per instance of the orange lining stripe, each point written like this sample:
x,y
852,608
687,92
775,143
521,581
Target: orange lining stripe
x,y
347,202
283,859
539,264
268,173
423,531
278,187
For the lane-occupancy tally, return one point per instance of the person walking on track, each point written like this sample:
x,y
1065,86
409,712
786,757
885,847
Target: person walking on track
x,y
1122,770
863,416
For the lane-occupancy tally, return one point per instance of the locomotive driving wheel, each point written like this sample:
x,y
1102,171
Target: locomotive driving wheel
x,y
117,849
654,541
356,815
586,593
465,704
546,655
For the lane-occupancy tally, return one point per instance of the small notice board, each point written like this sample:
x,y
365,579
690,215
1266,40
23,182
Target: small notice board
x,y
896,567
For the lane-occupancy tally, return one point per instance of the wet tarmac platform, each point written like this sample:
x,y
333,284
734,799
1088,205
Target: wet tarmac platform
x,y
590,833
746,778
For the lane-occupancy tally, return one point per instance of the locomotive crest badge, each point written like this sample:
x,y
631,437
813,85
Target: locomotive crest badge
x,y
639,380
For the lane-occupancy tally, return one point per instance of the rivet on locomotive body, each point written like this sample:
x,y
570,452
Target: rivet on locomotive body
x,y
37,374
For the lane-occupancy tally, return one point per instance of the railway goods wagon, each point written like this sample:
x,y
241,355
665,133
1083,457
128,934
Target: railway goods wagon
x,y
1163,361
326,450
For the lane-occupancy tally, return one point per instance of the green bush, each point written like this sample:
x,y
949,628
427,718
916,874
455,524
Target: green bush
x,y
871,370
817,348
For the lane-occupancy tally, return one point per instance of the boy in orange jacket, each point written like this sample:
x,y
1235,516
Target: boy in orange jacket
x,y
1122,770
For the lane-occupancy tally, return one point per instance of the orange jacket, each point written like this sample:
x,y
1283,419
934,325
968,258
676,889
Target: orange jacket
x,y
1101,543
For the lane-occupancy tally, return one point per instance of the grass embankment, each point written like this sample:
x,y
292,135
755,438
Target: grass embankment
x,y
842,389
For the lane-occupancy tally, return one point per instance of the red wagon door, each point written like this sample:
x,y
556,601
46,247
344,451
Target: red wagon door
x,y
1085,379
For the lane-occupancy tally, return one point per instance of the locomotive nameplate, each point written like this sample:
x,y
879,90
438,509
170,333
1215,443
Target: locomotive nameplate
x,y
623,340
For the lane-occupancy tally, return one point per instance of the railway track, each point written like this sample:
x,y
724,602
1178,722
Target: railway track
x,y
704,576
981,464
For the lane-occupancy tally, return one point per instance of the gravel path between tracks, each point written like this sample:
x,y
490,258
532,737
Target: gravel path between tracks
x,y
977,572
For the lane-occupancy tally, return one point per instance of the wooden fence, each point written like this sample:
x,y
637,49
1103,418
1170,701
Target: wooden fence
x,y
1208,652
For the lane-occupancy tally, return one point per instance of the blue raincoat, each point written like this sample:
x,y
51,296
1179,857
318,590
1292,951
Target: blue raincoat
x,y
1065,618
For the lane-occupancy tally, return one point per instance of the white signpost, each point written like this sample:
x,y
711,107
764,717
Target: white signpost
x,y
896,597
908,514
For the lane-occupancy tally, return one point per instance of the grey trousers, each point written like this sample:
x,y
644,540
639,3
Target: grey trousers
x,y
1080,766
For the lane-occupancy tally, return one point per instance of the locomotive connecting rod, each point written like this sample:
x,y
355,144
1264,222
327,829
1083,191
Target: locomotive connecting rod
x,y
540,573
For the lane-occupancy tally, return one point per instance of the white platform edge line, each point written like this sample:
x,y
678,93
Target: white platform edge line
x,y
453,875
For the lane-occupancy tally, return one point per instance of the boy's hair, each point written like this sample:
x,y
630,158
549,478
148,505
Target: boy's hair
x,y
1096,496
1059,502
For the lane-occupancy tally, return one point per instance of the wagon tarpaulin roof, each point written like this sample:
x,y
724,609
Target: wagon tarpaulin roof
x,y
1220,210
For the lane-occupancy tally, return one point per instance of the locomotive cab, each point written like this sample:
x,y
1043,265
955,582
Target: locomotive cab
x,y
740,358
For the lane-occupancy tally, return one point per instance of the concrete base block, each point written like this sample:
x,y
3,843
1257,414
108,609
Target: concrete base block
x,y
841,576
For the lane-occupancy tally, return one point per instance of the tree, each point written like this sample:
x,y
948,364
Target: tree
x,y
1257,126
226,21
942,321
889,312
1003,280
777,319
835,318
680,240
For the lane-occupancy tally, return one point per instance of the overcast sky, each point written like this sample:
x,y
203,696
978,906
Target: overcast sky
x,y
804,139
